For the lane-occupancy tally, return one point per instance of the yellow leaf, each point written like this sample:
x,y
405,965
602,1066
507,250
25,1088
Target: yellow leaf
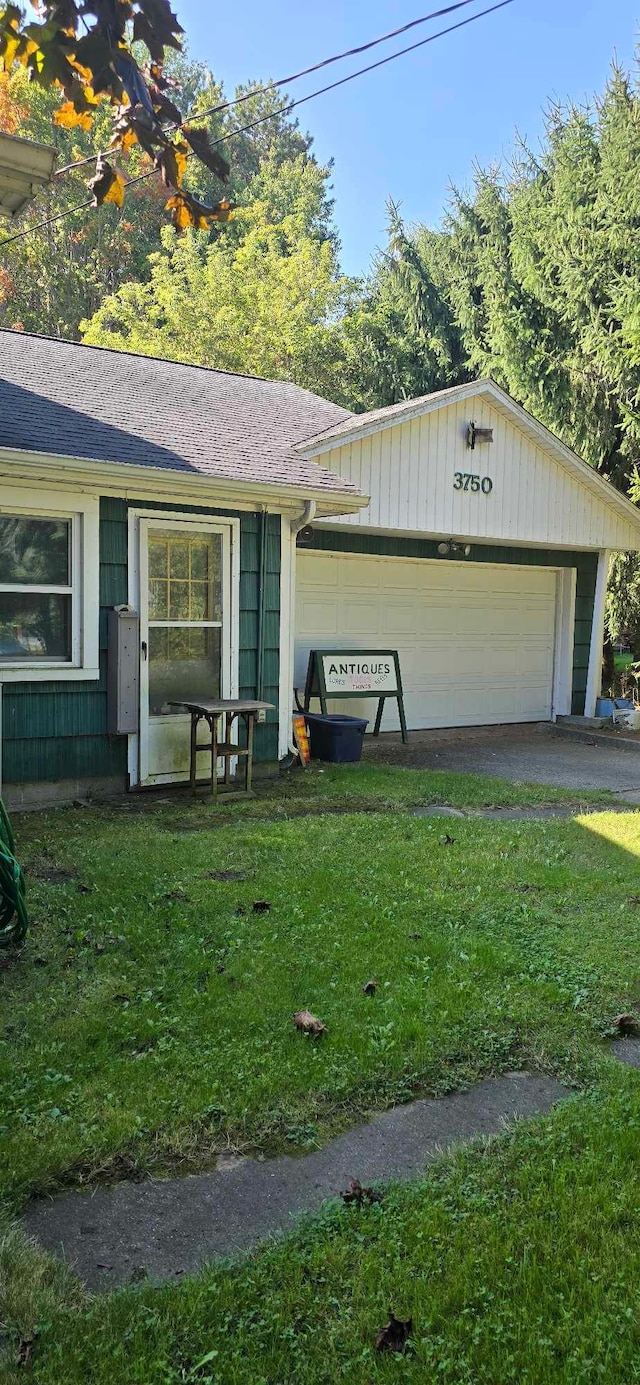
x,y
107,184
68,117
116,191
181,152
180,213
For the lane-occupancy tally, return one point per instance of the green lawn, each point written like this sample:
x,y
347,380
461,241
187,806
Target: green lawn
x,y
518,1266
147,1025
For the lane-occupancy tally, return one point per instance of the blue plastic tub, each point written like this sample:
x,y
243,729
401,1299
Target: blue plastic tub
x,y
334,737
606,706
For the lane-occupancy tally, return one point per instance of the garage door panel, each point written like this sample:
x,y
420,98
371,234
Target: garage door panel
x,y
397,618
360,618
433,617
323,617
534,662
476,644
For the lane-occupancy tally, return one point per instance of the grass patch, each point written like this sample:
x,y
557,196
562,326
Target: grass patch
x,y
147,1025
371,788
517,1264
147,1022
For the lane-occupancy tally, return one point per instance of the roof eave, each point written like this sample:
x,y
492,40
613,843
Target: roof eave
x,y
139,482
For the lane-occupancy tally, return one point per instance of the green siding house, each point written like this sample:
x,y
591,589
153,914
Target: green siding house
x,y
238,523
167,489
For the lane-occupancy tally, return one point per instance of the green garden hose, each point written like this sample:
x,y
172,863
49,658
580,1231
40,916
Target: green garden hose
x,y
14,919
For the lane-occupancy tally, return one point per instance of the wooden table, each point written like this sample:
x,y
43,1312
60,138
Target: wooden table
x,y
211,711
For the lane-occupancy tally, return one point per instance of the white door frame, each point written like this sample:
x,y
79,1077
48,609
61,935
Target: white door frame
x,y
140,521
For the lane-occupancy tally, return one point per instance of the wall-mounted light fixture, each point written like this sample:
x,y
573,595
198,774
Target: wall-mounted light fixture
x,y
450,549
475,436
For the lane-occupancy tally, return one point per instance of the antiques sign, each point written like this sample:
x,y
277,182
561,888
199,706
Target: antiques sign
x,y
371,674
355,673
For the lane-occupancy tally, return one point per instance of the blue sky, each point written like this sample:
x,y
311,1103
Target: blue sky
x,y
417,125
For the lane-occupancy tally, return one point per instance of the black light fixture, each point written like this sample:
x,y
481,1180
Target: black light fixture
x,y
475,436
449,549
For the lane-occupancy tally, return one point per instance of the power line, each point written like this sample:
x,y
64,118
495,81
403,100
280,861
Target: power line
x,y
286,81
286,108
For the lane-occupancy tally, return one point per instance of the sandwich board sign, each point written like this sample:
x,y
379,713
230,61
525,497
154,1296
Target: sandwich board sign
x,y
356,673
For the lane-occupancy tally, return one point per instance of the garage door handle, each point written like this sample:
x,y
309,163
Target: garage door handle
x,y
143,647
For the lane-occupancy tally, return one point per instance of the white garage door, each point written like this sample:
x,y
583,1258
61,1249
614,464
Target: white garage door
x,y
476,642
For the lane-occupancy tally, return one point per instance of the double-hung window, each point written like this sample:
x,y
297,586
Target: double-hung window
x,y
48,591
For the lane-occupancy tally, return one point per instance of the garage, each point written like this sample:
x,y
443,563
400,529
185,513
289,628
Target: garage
x,y
480,553
476,643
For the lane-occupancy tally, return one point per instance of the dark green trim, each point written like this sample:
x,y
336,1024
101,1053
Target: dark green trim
x,y
586,565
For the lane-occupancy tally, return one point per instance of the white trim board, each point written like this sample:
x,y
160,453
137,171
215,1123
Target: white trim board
x,y
84,511
181,521
140,483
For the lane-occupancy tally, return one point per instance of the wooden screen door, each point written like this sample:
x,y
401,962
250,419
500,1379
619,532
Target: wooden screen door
x,y
185,636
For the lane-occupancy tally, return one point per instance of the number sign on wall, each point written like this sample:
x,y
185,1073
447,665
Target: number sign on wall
x,y
468,481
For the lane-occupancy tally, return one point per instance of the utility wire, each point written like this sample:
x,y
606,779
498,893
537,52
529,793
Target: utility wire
x,y
286,108
286,81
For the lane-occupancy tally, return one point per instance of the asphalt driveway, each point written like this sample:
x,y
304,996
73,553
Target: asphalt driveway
x,y
534,753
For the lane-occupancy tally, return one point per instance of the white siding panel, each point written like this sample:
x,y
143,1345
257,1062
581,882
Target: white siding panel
x,y
408,470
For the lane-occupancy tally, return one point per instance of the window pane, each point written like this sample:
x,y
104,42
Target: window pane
x,y
179,601
34,550
158,556
158,604
182,663
179,558
34,626
185,581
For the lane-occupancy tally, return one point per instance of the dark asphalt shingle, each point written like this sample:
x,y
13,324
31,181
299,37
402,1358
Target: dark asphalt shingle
x,y
80,401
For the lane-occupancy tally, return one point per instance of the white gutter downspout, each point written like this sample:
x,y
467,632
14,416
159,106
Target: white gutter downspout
x,y
307,516
295,525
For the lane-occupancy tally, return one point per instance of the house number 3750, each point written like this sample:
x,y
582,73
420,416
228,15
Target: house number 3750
x,y
466,481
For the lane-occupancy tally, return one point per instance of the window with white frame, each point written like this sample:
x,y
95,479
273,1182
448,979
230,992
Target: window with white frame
x,y
36,589
48,589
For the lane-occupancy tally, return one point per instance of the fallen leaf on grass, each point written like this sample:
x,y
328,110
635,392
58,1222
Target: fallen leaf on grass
x,y
355,1193
261,906
370,987
627,1024
634,899
309,1024
395,1335
447,840
25,1351
177,896
415,937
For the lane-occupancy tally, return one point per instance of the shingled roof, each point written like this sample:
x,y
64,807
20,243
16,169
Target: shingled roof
x,y
71,400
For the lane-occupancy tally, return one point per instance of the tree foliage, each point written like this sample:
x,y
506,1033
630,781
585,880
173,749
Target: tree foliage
x,y
88,50
265,299
53,278
536,275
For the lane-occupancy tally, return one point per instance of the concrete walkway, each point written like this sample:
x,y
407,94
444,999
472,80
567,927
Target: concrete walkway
x,y
536,754
173,1227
